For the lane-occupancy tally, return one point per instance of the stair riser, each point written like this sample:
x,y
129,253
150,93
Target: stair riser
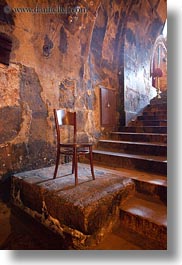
x,y
152,118
148,123
155,101
139,138
144,227
131,163
155,113
156,107
151,190
134,148
142,241
146,129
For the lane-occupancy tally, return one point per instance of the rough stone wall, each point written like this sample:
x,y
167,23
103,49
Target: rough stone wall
x,y
104,57
142,29
46,70
58,64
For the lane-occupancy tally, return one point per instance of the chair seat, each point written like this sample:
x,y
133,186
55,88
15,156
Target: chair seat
x,y
77,144
68,148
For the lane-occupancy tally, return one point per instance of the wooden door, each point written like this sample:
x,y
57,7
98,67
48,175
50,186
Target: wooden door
x,y
108,107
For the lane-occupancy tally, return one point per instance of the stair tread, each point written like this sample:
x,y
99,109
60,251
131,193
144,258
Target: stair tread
x,y
162,101
137,143
157,103
162,116
146,129
142,126
144,157
154,113
139,133
143,176
154,212
151,120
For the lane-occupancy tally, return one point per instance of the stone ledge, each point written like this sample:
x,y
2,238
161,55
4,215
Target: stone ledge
x,y
85,212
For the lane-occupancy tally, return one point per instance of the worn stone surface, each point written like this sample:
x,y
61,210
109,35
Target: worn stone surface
x,y
146,218
23,129
85,212
90,206
9,127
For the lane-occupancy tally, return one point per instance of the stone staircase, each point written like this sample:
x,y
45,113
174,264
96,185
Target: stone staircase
x,y
140,145
139,151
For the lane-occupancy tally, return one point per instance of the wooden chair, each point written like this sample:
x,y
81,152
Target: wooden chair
x,y
74,148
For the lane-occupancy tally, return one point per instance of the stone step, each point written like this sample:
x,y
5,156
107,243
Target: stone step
x,y
153,190
162,100
158,149
152,118
152,186
139,137
154,113
148,123
146,218
121,238
158,101
124,236
156,107
157,164
144,129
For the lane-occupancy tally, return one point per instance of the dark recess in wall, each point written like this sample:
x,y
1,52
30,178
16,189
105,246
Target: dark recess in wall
x,y
5,48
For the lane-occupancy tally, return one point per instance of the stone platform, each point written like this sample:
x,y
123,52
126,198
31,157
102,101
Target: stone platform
x,y
80,214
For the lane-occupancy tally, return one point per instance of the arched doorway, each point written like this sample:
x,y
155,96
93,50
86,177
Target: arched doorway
x,y
158,66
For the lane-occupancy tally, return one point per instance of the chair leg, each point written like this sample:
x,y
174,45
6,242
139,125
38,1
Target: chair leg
x,y
91,162
57,163
75,157
73,165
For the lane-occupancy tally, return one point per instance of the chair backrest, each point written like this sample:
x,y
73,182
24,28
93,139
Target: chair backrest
x,y
64,117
